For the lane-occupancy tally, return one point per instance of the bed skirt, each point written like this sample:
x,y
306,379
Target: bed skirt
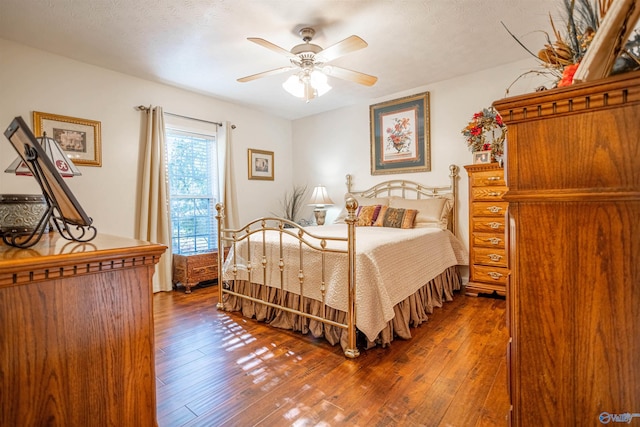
x,y
411,312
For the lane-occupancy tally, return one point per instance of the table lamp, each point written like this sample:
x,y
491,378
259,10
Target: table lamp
x,y
320,199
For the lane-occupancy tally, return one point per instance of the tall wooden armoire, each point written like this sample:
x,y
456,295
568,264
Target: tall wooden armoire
x,y
573,172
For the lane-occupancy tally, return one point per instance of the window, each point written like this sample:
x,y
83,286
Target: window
x,y
193,190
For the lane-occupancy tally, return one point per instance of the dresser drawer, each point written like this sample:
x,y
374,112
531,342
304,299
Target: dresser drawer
x,y
488,224
489,256
487,193
488,240
489,208
489,274
488,178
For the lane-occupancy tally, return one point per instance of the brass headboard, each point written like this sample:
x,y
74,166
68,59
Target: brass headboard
x,y
413,190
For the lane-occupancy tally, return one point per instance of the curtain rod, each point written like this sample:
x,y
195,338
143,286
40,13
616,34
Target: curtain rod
x,y
143,108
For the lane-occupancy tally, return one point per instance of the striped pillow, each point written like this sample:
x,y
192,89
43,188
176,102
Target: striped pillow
x,y
367,215
399,217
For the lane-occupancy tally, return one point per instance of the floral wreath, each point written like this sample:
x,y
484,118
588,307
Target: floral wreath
x,y
483,126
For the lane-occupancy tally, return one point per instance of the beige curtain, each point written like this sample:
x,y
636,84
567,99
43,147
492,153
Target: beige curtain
x,y
155,221
227,178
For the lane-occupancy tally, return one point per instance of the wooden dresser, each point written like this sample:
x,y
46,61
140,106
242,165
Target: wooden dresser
x,y
487,217
76,333
573,171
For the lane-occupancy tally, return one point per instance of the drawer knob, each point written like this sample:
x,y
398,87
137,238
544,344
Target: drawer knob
x,y
494,240
494,275
495,209
494,225
495,257
493,178
495,193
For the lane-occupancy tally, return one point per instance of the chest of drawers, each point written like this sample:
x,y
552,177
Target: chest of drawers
x,y
487,216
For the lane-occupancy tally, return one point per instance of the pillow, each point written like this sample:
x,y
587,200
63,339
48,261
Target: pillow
x,y
409,218
399,217
367,215
362,201
380,220
432,212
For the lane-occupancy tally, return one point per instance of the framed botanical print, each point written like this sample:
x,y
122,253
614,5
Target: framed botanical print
x,y
400,135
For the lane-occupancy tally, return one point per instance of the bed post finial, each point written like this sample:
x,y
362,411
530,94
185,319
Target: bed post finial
x,y
220,220
352,349
453,174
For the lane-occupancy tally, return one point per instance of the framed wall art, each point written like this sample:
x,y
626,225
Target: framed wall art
x,y
79,138
400,135
260,164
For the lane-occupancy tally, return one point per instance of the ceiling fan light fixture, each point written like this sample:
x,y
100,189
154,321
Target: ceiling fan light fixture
x,y
307,85
294,86
319,82
310,61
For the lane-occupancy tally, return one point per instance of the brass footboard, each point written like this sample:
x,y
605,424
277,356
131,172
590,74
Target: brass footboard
x,y
258,236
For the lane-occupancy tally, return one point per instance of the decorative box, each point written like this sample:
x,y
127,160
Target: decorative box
x,y
190,270
21,212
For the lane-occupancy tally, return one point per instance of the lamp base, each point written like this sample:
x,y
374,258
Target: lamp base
x,y
320,215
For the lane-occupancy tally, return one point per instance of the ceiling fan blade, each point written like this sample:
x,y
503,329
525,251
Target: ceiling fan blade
x,y
353,76
348,45
273,47
265,74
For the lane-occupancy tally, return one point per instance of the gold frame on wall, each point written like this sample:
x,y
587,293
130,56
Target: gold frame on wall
x,y
260,164
400,140
85,148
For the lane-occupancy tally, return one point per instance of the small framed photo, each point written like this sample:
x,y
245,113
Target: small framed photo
x,y
78,138
260,164
480,157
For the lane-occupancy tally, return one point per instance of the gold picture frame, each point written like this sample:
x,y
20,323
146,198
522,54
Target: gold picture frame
x,y
80,139
400,135
261,165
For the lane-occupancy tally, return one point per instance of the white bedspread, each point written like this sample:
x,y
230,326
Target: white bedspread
x,y
391,264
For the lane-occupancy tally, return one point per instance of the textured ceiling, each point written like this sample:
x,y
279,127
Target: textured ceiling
x,y
201,45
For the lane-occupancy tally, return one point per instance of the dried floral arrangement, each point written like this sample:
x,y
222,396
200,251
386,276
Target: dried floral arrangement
x,y
486,131
561,57
293,203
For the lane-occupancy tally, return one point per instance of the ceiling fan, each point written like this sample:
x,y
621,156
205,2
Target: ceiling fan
x,y
310,61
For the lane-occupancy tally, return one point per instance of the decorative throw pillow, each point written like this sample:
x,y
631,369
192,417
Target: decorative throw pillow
x,y
362,201
367,215
393,217
409,218
380,220
432,212
399,217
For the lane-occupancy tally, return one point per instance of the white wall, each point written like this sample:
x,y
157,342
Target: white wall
x,y
32,80
328,146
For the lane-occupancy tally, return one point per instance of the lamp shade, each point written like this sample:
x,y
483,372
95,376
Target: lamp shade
x,y
320,197
62,163
307,84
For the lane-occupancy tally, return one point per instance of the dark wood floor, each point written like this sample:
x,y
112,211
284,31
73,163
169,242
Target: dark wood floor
x,y
216,368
